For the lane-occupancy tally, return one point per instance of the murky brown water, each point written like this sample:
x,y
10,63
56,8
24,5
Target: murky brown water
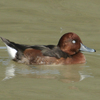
x,y
43,22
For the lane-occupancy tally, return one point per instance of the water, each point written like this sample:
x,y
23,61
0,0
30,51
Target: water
x,y
43,22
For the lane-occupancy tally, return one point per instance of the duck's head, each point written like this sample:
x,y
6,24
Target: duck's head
x,y
72,44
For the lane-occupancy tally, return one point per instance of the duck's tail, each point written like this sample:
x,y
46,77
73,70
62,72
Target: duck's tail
x,y
15,50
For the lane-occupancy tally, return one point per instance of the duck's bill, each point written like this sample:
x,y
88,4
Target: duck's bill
x,y
84,48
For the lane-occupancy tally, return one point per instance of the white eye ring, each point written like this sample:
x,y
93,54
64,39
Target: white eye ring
x,y
73,41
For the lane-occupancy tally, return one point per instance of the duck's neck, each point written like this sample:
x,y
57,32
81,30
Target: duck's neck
x,y
79,58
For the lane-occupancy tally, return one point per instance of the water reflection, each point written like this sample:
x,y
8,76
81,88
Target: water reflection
x,y
10,72
68,73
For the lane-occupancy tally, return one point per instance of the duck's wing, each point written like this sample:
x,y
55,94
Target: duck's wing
x,y
51,51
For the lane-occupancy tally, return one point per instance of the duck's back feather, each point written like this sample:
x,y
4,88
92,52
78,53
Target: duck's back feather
x,y
47,50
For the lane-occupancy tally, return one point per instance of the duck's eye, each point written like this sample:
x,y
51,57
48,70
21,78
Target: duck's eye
x,y
73,41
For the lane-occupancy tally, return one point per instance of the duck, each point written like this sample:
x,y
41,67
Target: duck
x,y
69,50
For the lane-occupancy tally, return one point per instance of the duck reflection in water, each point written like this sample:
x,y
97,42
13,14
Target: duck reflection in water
x,y
68,74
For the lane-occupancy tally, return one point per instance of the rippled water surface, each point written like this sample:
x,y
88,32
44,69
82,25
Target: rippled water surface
x,y
43,22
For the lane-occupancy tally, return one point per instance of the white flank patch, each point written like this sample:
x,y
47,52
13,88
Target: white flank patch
x,y
11,51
